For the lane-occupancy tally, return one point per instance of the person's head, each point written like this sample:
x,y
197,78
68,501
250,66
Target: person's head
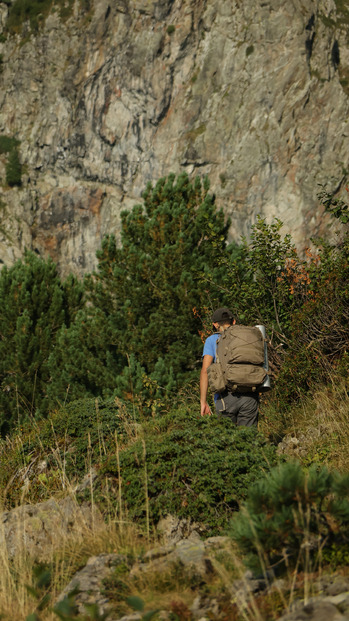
x,y
222,318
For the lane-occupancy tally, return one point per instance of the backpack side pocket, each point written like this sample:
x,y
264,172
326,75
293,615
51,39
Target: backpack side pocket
x,y
216,379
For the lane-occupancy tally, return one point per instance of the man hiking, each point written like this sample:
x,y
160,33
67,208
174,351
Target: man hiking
x,y
240,407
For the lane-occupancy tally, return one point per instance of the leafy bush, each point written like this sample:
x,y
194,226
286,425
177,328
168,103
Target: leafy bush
x,y
319,328
335,206
292,516
257,294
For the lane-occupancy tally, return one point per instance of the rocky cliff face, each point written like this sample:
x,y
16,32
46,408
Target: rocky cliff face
x,y
252,93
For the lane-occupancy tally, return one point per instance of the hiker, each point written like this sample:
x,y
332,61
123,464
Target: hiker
x,y
240,407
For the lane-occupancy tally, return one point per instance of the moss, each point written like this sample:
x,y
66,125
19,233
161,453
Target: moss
x,y
249,50
34,13
194,133
342,7
7,143
343,73
194,76
223,179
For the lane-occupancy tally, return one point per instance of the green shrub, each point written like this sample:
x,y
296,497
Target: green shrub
x,y
69,440
291,517
13,169
141,298
337,207
179,463
189,466
319,328
336,555
34,12
35,303
7,143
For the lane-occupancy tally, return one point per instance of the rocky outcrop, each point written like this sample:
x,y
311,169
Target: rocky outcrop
x,y
38,529
331,602
191,554
254,94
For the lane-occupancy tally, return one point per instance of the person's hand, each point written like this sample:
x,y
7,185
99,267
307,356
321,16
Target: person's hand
x,y
205,409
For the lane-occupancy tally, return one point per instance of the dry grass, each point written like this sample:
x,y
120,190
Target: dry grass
x,y
69,551
63,559
317,429
323,423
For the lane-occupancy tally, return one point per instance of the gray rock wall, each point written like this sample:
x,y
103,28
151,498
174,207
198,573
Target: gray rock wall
x,y
254,94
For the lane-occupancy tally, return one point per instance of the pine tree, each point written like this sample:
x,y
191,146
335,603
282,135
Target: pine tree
x,y
291,516
85,360
138,329
149,286
35,304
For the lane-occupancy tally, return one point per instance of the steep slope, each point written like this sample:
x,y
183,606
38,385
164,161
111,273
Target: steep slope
x,y
252,93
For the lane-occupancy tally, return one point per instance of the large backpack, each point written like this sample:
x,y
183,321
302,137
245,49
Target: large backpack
x,y
240,356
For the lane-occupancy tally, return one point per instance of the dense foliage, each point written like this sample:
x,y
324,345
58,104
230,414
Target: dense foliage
x,y
195,467
291,517
178,463
138,334
35,304
140,320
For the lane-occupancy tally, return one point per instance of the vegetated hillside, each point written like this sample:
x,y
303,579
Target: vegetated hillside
x,y
99,396
136,469
134,328
97,98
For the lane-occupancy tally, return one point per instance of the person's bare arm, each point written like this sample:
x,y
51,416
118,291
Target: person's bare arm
x,y
206,362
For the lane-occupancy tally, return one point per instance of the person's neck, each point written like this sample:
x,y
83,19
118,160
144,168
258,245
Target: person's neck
x,y
222,328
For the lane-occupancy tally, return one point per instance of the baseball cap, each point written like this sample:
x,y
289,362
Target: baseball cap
x,y
222,314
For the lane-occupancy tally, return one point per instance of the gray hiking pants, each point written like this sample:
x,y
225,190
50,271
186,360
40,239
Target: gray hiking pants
x,y
241,408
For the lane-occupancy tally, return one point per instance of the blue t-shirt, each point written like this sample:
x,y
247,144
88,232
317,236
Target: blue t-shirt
x,y
210,346
210,350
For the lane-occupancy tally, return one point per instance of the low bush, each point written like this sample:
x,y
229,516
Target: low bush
x,y
189,466
292,517
179,463
70,441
